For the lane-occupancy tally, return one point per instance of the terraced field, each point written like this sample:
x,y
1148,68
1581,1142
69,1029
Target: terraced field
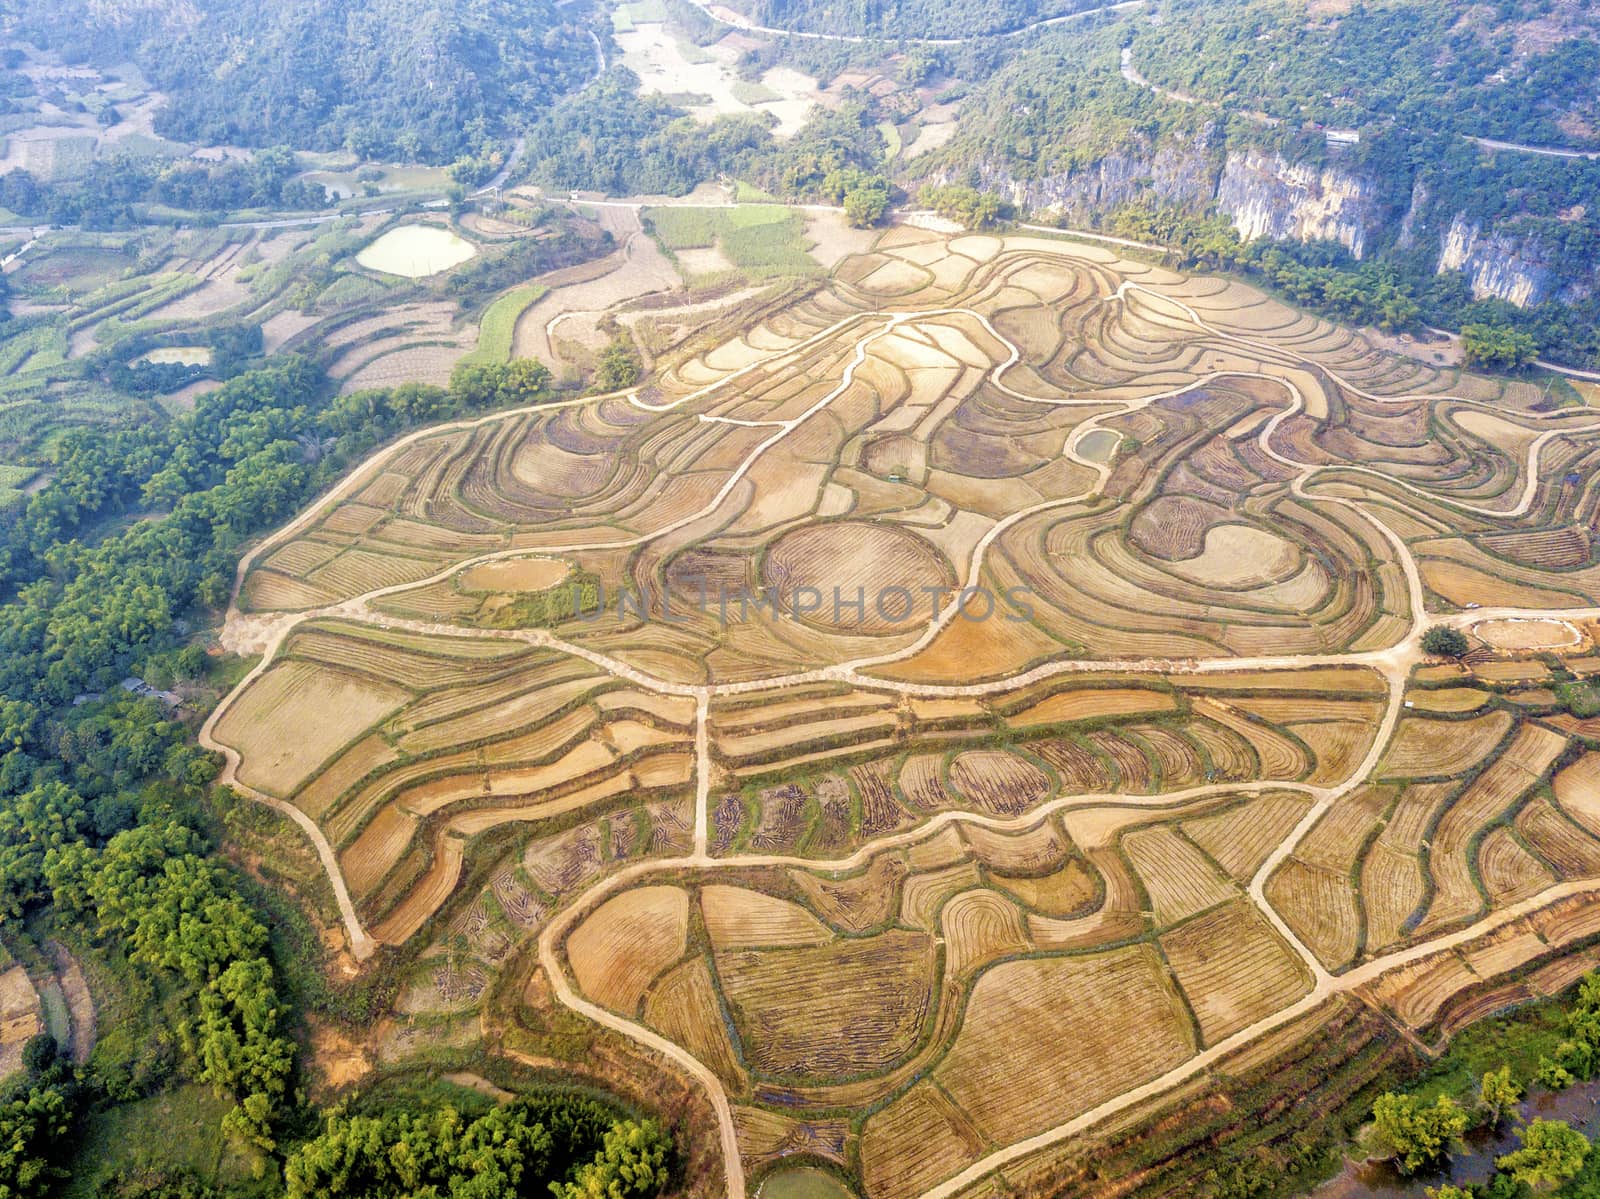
x,y
977,699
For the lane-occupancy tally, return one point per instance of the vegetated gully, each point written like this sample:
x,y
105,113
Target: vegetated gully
x,y
1394,663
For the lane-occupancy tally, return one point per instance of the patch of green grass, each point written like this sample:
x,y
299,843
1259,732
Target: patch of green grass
x,y
74,269
891,139
803,1182
35,348
139,145
644,11
17,476
753,93
684,228
350,289
116,307
70,158
764,250
693,54
497,330
180,1129
760,240
688,228
1563,393
1518,1039
53,1007
749,193
621,19
756,215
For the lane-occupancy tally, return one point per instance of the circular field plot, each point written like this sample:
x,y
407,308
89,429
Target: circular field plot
x,y
890,567
1528,634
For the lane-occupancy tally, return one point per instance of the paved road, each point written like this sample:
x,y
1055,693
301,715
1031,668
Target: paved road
x,y
1489,143
499,181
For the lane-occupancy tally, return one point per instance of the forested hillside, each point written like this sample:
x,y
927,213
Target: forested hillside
x,y
909,18
1523,70
416,79
1368,126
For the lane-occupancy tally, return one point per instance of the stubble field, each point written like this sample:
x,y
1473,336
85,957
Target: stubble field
x,y
990,695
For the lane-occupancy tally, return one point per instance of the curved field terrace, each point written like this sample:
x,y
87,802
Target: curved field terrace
x,y
1152,778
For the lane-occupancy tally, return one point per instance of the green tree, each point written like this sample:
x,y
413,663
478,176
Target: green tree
x,y
30,1125
1444,642
633,1162
864,207
965,205
1552,1075
1418,1135
1498,1093
1552,1152
1498,347
619,366
865,195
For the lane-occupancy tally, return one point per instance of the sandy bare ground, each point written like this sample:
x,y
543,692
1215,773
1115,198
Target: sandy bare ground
x,y
281,326
80,1004
20,1017
637,269
1528,634
833,240
1394,663
1434,351
654,53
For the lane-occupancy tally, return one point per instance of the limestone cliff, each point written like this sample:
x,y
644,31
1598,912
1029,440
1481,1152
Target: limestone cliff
x,y
1495,265
1181,175
1267,196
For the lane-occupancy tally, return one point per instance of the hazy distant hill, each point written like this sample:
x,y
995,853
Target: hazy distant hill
x,y
424,78
909,18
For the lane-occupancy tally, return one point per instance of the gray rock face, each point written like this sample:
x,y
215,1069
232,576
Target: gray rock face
x,y
1495,264
1268,196
1180,175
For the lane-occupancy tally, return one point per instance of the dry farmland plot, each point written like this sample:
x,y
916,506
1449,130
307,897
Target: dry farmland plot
x,y
999,684
627,942
1050,1038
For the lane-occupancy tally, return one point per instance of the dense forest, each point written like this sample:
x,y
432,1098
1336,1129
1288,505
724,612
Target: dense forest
x,y
107,195
107,833
428,80
910,18
1521,71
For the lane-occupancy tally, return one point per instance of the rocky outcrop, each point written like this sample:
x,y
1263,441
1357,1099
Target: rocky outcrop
x,y
1269,196
1265,195
1420,195
1513,269
1173,175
